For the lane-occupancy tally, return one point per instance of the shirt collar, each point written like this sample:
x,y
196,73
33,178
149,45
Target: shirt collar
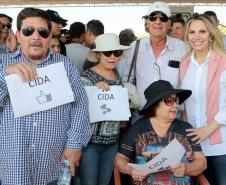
x,y
169,43
19,52
194,61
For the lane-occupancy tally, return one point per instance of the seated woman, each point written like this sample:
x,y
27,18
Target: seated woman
x,y
148,136
97,162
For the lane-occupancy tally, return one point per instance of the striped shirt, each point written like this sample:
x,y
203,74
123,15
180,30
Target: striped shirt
x,y
31,146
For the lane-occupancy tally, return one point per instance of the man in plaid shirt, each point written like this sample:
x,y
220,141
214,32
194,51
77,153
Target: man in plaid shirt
x,y
32,146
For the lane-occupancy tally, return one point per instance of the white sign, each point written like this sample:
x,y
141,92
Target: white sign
x,y
50,89
108,105
170,155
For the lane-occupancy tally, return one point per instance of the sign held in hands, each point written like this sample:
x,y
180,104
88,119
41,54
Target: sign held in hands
x,y
169,156
110,105
50,89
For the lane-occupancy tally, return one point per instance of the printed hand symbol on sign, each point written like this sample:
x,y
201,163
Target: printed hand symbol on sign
x,y
44,98
105,108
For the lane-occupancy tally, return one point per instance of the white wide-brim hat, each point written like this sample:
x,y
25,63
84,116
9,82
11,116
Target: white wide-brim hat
x,y
106,42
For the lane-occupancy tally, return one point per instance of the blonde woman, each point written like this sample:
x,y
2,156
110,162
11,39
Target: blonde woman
x,y
203,71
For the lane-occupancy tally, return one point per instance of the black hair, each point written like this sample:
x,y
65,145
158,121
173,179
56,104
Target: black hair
x,y
95,26
32,12
151,111
126,37
8,17
211,14
177,18
77,29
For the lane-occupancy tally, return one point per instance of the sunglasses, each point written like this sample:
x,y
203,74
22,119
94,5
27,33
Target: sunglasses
x,y
116,53
28,31
169,101
154,17
8,26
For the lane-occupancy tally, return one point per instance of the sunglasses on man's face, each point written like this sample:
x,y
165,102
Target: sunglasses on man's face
x,y
154,17
169,101
8,26
116,53
28,31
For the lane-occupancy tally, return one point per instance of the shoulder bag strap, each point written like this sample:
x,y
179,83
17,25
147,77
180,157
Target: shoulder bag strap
x,y
134,60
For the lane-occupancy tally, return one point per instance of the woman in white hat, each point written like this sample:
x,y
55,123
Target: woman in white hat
x,y
97,162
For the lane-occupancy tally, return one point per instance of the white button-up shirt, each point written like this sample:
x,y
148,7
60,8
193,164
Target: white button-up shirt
x,y
195,79
149,68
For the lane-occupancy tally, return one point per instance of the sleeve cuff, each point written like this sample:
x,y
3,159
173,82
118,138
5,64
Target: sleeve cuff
x,y
220,118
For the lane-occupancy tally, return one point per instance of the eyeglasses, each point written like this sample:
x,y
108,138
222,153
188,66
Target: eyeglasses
x,y
169,101
8,26
145,17
154,17
157,71
117,53
28,31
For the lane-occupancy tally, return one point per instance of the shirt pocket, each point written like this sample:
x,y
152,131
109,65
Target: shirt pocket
x,y
172,75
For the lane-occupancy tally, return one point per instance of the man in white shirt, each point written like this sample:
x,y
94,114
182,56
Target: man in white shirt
x,y
159,55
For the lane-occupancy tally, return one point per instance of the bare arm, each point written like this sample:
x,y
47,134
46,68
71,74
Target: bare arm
x,y
204,132
121,162
194,168
197,166
73,156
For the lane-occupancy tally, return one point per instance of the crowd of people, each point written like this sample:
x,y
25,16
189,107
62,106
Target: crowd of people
x,y
179,72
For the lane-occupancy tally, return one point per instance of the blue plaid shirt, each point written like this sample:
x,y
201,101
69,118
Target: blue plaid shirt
x,y
31,146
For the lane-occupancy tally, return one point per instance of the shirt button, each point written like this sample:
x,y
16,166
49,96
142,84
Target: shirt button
x,y
34,124
33,145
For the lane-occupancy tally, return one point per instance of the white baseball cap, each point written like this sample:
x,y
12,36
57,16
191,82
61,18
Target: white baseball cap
x,y
159,7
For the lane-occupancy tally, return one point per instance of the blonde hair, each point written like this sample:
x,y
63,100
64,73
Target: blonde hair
x,y
216,42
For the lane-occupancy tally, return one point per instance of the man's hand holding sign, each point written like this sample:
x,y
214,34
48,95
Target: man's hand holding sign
x,y
25,70
43,87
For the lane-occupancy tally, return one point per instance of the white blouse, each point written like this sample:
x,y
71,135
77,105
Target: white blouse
x,y
196,80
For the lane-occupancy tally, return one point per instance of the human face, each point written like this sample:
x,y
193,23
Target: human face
x,y
56,28
34,46
198,36
177,30
55,45
108,62
158,28
168,108
5,23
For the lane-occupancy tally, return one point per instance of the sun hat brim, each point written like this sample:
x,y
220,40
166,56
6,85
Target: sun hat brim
x,y
181,94
110,48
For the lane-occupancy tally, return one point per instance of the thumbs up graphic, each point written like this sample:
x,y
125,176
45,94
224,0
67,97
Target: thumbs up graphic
x,y
44,98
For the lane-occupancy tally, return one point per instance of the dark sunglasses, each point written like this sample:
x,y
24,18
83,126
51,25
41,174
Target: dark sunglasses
x,y
169,101
154,17
116,53
8,26
28,31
